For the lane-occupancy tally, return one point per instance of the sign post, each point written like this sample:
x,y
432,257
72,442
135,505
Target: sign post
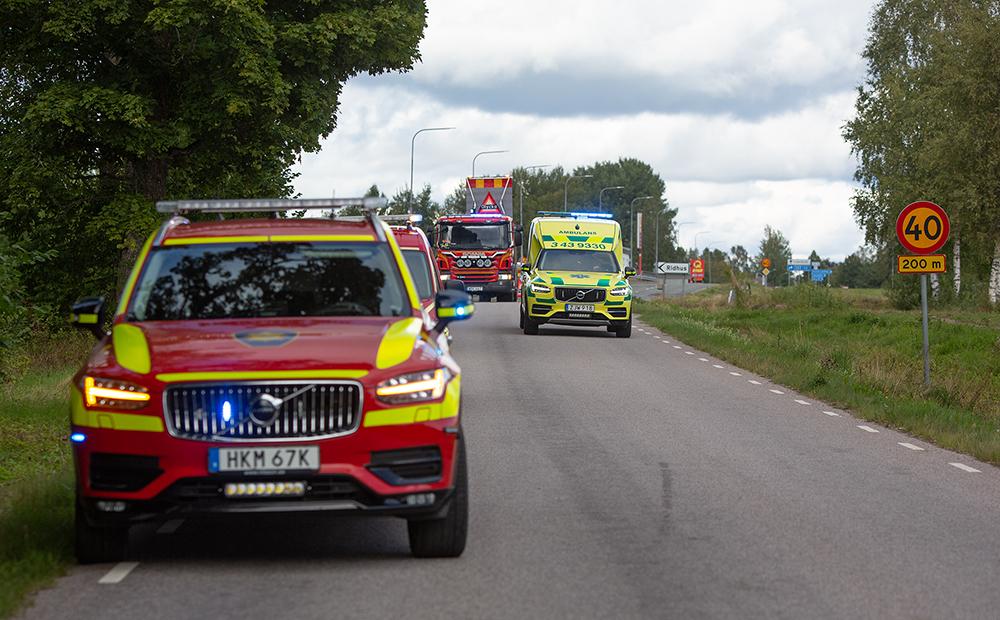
x,y
922,228
765,264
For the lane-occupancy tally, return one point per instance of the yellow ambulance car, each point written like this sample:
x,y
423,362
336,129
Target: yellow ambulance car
x,y
574,274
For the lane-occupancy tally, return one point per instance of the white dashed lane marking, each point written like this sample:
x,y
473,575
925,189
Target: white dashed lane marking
x,y
119,572
971,470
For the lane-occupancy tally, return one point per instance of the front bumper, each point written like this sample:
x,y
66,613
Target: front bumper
x,y
162,477
543,310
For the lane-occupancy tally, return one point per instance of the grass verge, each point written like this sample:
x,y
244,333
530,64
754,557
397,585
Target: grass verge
x,y
854,353
36,477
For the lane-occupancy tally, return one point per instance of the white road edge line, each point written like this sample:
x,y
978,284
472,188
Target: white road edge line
x,y
971,470
802,402
832,414
717,366
702,359
867,428
688,352
754,382
119,572
911,447
735,374
777,391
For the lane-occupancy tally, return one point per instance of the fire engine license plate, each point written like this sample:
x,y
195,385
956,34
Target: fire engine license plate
x,y
474,288
297,458
579,308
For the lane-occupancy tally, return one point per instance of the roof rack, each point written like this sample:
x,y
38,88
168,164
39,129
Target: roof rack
x,y
577,214
265,204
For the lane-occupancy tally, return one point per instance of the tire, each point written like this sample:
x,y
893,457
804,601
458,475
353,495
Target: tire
x,y
98,545
530,327
625,331
520,324
445,537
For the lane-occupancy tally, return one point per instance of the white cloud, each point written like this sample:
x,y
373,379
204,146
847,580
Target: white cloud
x,y
757,94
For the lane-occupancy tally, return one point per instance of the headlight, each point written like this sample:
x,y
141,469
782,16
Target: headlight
x,y
620,291
114,394
540,288
505,276
413,387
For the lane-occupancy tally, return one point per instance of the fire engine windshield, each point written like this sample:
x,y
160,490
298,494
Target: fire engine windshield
x,y
243,280
578,260
469,236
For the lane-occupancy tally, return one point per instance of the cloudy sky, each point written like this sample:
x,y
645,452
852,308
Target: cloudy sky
x,y
738,105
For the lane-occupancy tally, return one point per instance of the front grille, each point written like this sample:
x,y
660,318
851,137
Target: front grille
x,y
580,295
486,275
262,410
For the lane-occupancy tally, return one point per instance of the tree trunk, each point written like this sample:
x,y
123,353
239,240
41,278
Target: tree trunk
x,y
995,274
958,265
935,285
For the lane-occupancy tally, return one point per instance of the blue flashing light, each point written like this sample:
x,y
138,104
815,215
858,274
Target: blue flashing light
x,y
77,437
460,311
599,216
227,411
416,218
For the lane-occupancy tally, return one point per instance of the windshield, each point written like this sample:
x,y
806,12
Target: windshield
x,y
595,261
420,269
468,236
243,280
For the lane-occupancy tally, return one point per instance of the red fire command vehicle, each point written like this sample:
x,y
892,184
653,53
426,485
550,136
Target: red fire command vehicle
x,y
269,366
477,247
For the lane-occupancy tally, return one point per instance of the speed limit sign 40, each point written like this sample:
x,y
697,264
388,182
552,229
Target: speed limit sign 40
x,y
922,227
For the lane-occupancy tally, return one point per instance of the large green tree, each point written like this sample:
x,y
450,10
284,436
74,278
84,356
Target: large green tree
x,y
775,248
107,107
927,126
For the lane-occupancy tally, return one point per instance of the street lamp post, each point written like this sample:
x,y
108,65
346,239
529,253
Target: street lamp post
x,y
482,153
409,202
600,197
696,242
566,186
631,236
520,186
656,259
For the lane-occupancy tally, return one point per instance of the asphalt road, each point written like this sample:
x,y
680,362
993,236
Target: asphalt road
x,y
609,478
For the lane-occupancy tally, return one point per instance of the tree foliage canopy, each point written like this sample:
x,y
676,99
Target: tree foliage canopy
x,y
927,124
106,107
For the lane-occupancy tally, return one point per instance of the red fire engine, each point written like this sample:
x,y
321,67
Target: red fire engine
x,y
477,247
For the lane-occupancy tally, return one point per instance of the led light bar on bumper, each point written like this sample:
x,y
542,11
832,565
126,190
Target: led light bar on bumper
x,y
414,387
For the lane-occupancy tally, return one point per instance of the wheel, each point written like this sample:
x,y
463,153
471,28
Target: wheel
x,y
445,537
97,545
520,324
530,327
625,331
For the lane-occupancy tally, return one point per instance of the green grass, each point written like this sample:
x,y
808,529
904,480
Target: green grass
x,y
836,348
36,473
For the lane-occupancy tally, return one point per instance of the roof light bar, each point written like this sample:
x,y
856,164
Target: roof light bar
x,y
575,214
266,204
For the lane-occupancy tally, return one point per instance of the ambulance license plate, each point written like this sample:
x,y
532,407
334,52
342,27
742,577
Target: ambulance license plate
x,y
579,308
297,458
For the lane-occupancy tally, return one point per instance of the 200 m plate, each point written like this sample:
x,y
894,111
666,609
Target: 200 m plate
x,y
297,458
579,307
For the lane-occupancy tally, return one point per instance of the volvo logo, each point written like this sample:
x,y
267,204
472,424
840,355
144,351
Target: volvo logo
x,y
264,410
580,295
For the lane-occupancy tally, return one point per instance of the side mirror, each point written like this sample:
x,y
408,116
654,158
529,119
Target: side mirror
x,y
525,267
452,305
88,313
518,237
629,272
454,285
